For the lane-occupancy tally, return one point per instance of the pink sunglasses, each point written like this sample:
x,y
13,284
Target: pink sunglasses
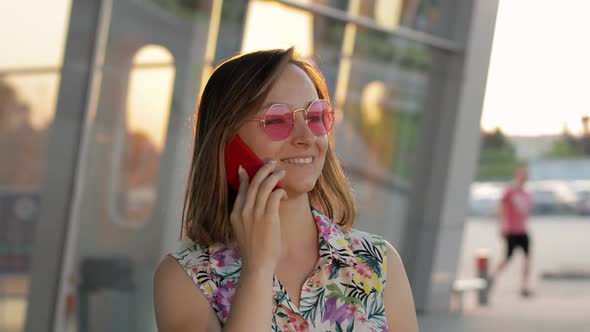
x,y
279,120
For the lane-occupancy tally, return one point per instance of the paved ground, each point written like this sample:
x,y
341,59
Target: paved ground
x,y
560,245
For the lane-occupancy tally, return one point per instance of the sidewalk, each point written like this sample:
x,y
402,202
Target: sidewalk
x,y
562,306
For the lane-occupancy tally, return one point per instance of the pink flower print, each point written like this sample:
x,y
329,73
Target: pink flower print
x,y
363,319
364,270
302,326
356,242
329,269
323,225
224,295
235,256
223,257
293,317
333,232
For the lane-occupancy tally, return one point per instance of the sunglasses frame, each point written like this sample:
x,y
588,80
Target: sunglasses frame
x,y
305,110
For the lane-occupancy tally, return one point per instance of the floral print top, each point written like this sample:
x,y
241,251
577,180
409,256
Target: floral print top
x,y
343,293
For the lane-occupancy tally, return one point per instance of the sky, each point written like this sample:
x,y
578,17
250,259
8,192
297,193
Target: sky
x,y
538,79
539,74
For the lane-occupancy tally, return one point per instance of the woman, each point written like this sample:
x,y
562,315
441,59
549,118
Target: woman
x,y
273,259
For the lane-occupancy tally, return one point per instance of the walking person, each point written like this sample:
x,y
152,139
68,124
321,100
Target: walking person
x,y
513,214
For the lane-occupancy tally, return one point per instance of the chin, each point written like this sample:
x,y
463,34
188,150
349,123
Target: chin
x,y
299,188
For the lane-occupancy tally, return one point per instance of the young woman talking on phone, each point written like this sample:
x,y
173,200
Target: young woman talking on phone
x,y
278,253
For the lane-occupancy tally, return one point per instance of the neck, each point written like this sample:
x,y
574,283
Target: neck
x,y
298,229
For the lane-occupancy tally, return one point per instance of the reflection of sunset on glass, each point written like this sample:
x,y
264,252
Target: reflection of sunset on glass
x,y
539,68
372,101
537,78
36,28
272,25
150,92
39,93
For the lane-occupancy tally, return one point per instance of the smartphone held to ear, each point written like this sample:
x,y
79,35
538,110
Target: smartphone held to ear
x,y
238,153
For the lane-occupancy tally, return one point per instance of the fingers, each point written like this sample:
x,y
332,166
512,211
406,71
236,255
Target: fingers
x,y
265,189
240,198
252,193
243,188
274,200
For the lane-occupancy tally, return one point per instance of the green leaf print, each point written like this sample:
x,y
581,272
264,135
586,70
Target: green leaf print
x,y
310,305
335,289
350,327
336,266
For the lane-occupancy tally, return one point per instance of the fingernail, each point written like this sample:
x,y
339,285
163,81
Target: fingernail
x,y
240,169
271,161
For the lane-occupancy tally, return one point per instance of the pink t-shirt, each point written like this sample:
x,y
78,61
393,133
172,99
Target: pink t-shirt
x,y
516,204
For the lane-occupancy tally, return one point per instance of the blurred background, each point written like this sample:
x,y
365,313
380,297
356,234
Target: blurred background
x,y
438,102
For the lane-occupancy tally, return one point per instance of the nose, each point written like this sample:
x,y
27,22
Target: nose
x,y
302,135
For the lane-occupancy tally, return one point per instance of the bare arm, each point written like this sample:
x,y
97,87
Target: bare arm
x,y
178,304
181,307
399,303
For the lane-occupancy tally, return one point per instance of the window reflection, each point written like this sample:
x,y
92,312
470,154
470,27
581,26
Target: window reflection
x,y
33,32
423,15
23,129
27,102
273,25
148,105
388,84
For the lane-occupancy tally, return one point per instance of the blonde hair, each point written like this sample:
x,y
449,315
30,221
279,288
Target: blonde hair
x,y
236,89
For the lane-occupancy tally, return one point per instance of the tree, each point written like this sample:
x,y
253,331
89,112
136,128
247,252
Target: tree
x,y
497,158
566,146
22,146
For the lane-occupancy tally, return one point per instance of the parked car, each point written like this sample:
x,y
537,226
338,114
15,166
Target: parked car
x,y
581,189
548,197
484,197
551,197
583,203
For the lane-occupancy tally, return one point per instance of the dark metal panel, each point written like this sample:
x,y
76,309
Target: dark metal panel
x,y
62,160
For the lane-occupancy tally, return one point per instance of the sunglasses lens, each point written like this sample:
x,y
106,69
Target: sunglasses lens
x,y
320,117
278,122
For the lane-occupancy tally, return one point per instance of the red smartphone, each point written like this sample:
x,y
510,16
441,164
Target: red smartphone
x,y
238,153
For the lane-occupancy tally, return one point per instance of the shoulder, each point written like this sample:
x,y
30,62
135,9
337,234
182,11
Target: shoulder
x,y
178,304
399,302
362,240
192,258
367,243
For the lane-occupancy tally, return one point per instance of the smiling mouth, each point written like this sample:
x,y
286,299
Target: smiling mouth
x,y
298,161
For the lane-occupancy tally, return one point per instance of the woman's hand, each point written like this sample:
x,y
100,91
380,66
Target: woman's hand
x,y
255,218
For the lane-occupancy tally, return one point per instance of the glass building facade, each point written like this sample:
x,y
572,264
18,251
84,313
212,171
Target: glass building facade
x,y
96,106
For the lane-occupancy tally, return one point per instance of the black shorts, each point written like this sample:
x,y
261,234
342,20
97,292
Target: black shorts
x,y
517,240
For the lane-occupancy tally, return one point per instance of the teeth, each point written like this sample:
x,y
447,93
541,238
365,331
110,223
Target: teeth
x,y
299,161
